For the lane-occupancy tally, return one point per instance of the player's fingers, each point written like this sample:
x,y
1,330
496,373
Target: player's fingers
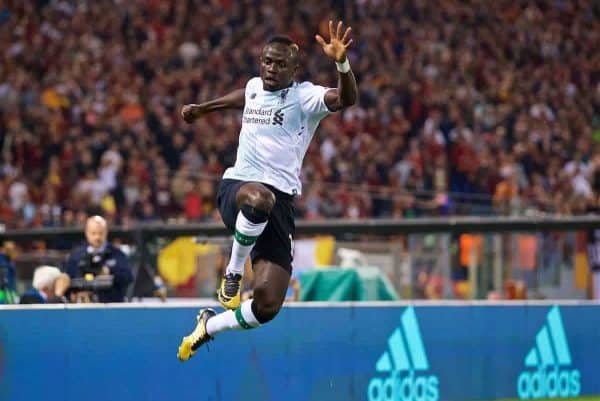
x,y
330,29
349,43
320,40
338,32
346,34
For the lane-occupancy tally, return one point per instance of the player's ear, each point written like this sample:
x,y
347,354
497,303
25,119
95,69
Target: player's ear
x,y
295,55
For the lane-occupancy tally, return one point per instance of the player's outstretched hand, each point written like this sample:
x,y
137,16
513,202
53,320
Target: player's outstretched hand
x,y
338,43
190,112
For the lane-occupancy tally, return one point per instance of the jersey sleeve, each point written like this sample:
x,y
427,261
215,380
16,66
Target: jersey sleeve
x,y
251,86
312,99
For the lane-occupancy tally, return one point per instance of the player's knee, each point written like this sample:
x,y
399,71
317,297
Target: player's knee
x,y
265,305
258,197
265,312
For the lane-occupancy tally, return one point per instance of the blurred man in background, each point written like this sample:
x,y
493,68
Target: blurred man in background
x,y
49,286
99,259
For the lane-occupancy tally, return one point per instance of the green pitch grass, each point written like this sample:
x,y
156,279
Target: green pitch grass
x,y
585,398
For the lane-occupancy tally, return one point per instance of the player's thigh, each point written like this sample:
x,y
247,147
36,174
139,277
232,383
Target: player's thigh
x,y
256,195
273,253
226,201
233,193
275,244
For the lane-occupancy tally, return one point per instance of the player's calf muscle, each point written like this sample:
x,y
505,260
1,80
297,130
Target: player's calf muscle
x,y
267,303
270,285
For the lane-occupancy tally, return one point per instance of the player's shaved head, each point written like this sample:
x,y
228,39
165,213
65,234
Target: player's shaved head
x,y
96,231
286,41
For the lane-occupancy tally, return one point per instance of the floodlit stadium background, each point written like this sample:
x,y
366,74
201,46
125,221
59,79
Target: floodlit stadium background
x,y
462,191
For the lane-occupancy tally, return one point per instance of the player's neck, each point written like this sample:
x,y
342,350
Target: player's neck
x,y
280,89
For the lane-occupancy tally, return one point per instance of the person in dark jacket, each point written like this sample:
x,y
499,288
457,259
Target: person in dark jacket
x,y
95,259
49,286
8,293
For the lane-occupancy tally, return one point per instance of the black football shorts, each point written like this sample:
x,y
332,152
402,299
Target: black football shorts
x,y
276,241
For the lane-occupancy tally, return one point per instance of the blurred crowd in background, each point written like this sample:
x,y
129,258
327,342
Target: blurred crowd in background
x,y
466,107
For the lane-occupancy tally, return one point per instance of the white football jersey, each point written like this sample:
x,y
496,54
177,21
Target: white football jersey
x,y
277,128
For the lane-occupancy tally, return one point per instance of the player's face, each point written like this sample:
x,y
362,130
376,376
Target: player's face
x,y
277,66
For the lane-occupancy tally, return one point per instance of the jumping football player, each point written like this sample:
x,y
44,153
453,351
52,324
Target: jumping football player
x,y
256,195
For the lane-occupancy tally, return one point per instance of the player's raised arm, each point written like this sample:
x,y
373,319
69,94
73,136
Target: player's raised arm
x,y
233,100
347,91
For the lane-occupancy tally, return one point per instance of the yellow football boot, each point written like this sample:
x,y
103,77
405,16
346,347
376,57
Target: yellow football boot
x,y
229,292
198,337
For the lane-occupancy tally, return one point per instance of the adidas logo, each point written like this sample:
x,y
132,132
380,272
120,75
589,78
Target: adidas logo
x,y
549,360
402,360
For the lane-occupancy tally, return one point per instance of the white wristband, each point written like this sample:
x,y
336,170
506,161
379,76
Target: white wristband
x,y
343,67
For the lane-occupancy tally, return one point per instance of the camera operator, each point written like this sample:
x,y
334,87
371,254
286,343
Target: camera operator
x,y
100,272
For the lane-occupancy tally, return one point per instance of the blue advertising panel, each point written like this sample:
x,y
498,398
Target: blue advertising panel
x,y
309,353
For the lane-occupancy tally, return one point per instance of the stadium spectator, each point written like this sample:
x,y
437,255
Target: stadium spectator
x,y
8,290
594,261
49,286
98,257
456,97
